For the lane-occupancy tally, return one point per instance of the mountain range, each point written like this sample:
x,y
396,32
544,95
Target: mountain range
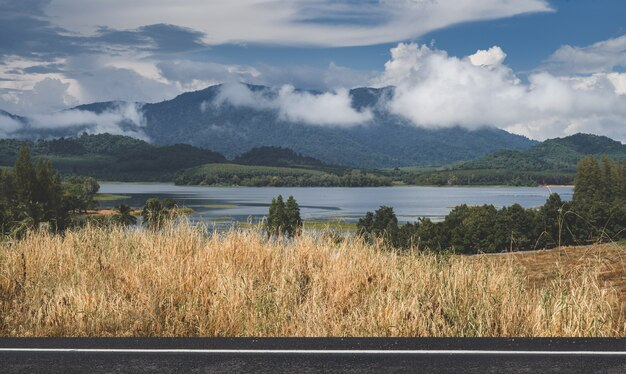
x,y
204,119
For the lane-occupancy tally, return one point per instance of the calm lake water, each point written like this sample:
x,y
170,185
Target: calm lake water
x,y
319,203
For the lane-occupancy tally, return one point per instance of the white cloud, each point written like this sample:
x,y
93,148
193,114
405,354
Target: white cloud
x,y
289,22
194,75
132,77
123,119
240,95
46,95
493,56
8,125
326,109
618,81
602,56
437,90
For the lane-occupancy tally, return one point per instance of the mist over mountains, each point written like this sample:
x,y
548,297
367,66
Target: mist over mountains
x,y
353,128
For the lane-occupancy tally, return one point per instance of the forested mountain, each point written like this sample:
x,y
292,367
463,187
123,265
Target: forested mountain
x,y
385,141
561,154
203,119
550,162
111,157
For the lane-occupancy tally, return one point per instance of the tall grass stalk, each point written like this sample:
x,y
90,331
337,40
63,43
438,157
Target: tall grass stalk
x,y
185,281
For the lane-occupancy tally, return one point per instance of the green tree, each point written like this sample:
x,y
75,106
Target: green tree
x,y
155,213
516,229
49,193
552,220
276,219
293,221
383,224
599,200
366,224
80,193
25,177
123,215
283,219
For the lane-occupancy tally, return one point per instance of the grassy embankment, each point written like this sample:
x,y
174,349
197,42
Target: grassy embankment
x,y
186,282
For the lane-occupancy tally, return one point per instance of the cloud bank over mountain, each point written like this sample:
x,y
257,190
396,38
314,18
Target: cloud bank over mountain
x,y
324,109
119,119
438,90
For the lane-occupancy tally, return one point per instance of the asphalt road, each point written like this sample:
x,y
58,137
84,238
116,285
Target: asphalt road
x,y
295,355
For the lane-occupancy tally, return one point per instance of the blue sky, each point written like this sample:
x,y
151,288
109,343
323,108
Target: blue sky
x,y
563,60
528,39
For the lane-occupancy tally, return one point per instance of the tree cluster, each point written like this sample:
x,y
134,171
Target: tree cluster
x,y
597,213
79,193
157,211
284,218
34,195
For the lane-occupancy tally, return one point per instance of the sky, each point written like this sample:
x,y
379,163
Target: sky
x,y
539,68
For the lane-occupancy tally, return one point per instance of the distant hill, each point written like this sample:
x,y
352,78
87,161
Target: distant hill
x,y
553,154
111,157
550,162
276,156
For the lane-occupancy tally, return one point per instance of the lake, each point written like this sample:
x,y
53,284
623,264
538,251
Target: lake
x,y
324,203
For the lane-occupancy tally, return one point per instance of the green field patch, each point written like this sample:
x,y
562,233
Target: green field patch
x,y
110,197
251,170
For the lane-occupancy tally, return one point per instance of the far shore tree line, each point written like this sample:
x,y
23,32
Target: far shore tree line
x,y
353,178
597,213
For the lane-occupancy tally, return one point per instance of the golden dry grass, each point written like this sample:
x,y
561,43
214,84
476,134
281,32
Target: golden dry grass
x,y
186,282
607,260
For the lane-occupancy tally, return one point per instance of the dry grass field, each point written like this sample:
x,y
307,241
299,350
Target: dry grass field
x,y
184,281
608,261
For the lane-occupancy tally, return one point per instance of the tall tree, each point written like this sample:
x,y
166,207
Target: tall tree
x,y
25,176
49,191
293,221
276,220
283,219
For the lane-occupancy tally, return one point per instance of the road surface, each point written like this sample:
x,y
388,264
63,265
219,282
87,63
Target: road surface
x,y
295,355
